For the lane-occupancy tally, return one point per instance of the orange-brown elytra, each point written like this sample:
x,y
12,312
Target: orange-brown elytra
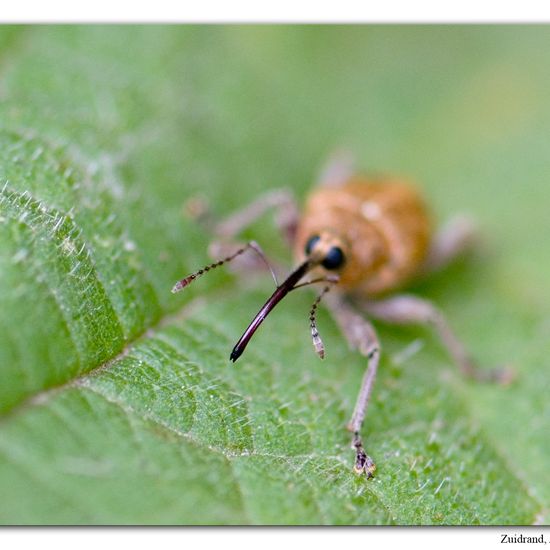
x,y
381,226
365,238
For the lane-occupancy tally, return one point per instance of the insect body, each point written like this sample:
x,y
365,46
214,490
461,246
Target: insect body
x,y
381,227
363,238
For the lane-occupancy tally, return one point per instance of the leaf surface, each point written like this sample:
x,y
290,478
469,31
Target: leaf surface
x,y
118,402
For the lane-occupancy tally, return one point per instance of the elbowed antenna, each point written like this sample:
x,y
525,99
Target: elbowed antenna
x,y
280,292
181,284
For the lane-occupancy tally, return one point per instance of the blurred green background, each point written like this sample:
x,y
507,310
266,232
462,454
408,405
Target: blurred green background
x,y
118,403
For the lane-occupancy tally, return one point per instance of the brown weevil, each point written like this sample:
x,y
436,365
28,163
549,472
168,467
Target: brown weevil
x,y
364,238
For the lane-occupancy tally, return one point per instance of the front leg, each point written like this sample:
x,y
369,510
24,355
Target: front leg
x,y
226,231
286,211
360,335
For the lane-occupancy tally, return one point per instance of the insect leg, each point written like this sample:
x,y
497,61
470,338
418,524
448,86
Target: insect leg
x,y
286,211
455,239
338,169
407,309
226,231
360,335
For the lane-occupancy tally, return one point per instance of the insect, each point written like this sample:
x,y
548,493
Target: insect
x,y
363,238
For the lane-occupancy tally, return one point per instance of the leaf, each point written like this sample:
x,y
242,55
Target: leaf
x,y
119,404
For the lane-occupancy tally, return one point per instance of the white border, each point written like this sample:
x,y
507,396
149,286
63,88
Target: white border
x,y
264,538
282,11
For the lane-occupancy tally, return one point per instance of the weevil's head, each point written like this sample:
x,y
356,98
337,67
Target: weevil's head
x,y
324,255
337,244
326,250
350,254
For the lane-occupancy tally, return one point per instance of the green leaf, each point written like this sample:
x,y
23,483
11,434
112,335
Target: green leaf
x,y
118,402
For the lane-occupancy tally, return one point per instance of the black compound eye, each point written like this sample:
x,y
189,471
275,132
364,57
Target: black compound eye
x,y
311,243
334,258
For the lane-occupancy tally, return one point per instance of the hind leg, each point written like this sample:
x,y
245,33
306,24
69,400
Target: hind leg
x,y
454,240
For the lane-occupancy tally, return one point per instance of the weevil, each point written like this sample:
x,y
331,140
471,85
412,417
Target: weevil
x,y
364,238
